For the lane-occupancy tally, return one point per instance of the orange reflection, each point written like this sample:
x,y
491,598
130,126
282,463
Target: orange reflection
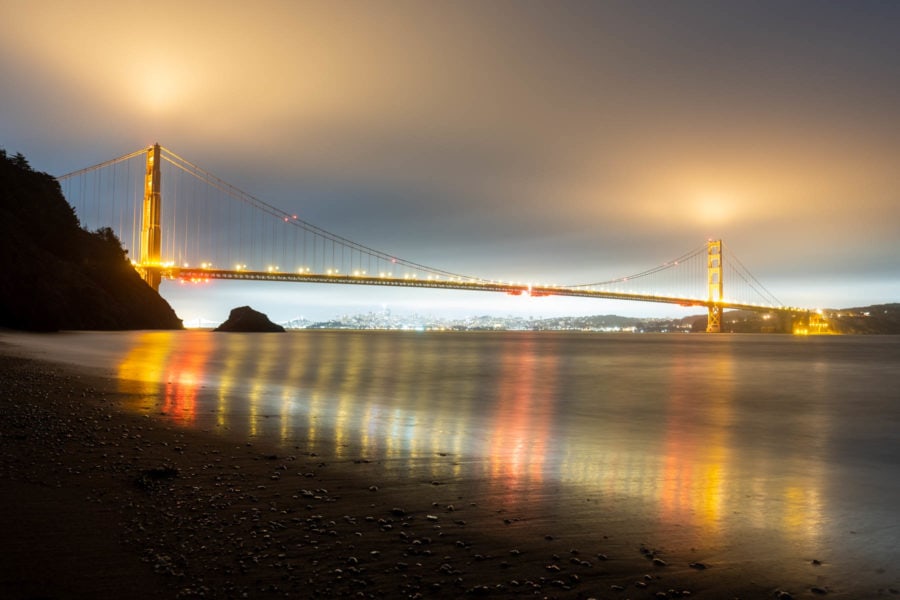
x,y
178,359
519,441
183,378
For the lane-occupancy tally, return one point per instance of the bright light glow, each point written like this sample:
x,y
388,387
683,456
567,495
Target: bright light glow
x,y
714,209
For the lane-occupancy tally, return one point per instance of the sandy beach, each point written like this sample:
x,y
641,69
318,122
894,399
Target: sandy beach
x,y
100,502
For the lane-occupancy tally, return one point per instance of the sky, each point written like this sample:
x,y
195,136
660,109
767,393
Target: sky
x,y
568,141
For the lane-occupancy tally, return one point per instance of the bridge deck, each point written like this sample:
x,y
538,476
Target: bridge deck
x,y
480,285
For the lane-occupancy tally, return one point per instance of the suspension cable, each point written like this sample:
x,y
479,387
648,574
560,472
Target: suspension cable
x,y
243,196
667,265
101,165
759,288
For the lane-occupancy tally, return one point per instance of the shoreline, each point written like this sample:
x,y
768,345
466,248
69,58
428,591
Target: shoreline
x,y
102,502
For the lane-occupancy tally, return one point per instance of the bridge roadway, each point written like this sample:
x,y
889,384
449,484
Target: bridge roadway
x,y
481,285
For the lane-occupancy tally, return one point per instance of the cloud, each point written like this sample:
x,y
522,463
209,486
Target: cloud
x,y
504,136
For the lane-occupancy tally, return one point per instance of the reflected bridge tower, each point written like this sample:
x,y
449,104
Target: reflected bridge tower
x,y
151,235
714,280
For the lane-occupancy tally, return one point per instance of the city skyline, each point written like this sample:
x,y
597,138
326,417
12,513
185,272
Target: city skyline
x,y
571,142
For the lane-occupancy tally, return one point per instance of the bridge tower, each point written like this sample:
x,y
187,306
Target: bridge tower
x,y
151,239
714,279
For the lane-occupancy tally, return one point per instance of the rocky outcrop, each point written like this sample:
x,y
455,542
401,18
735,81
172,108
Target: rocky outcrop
x,y
55,275
245,319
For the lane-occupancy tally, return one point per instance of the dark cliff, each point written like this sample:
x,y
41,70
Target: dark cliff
x,y
56,275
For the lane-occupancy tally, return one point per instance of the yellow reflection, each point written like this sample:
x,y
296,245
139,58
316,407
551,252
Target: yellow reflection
x,y
349,396
266,358
297,363
802,512
235,357
141,371
696,451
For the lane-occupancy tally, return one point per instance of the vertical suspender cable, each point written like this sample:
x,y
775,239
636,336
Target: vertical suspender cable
x,y
135,255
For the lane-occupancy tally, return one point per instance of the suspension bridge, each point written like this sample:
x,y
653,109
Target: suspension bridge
x,y
194,226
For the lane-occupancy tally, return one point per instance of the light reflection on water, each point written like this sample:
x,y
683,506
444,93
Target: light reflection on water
x,y
726,434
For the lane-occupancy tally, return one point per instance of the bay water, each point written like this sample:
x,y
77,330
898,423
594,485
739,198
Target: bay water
x,y
750,449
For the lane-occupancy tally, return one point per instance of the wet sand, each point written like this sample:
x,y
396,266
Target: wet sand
x,y
99,502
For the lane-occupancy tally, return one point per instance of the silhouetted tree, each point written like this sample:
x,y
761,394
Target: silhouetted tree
x,y
20,161
112,246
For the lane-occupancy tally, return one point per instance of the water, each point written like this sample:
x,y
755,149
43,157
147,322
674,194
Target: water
x,y
762,449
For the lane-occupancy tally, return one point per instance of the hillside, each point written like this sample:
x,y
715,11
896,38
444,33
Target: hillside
x,y
878,318
58,276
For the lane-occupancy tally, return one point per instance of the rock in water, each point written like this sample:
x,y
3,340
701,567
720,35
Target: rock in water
x,y
246,319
